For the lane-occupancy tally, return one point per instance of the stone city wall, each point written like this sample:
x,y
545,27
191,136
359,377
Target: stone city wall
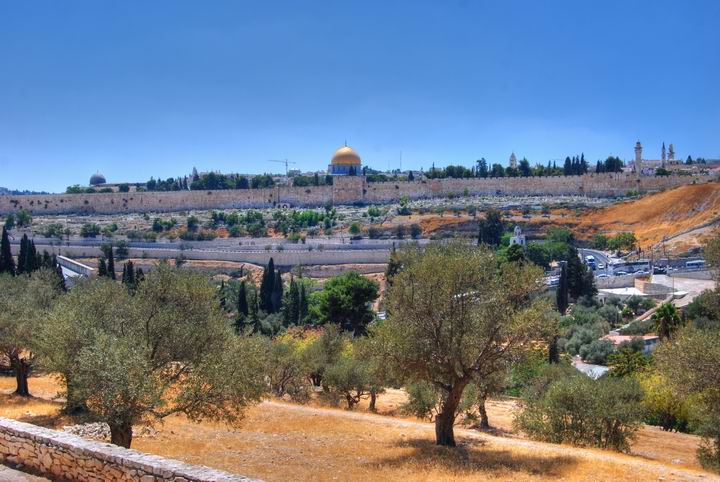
x,y
345,190
64,457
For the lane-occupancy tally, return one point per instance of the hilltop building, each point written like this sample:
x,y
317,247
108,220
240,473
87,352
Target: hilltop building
x,y
518,237
648,166
345,162
513,161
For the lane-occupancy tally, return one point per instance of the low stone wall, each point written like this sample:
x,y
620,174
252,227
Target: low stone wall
x,y
64,457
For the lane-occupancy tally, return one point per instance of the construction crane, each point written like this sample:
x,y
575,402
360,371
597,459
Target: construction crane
x,y
286,162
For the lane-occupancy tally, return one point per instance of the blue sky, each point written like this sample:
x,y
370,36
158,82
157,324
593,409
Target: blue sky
x,y
152,88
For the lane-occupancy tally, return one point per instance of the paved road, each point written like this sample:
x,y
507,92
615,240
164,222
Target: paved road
x,y
600,257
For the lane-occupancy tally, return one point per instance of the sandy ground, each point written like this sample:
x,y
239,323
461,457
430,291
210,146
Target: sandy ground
x,y
281,441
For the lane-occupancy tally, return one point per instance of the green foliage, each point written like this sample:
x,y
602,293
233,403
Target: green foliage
x,y
166,349
23,218
689,362
559,235
577,410
627,361
89,230
455,314
9,221
490,228
345,300
622,242
599,241
666,319
664,407
597,351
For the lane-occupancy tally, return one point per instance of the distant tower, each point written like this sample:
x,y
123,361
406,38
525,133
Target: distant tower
x,y
513,161
671,153
663,155
637,165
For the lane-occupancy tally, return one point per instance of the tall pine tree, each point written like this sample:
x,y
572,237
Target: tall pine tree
x,y
266,287
277,292
111,264
242,307
102,267
7,263
22,261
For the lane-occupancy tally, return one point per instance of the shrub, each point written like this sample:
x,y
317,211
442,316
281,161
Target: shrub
x,y
603,413
415,231
89,230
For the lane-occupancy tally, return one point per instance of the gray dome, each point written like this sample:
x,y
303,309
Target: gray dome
x,y
96,179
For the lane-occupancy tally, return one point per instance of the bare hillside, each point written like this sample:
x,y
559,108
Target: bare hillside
x,y
669,213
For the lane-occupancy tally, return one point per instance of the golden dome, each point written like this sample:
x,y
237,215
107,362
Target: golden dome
x,y
345,156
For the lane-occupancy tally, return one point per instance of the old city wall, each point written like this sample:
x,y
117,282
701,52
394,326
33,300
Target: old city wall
x,y
64,457
345,190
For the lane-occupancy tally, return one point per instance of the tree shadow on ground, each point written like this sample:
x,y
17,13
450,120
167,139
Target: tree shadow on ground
x,y
36,411
472,457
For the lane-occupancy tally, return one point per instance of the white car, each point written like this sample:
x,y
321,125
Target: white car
x,y
602,275
601,265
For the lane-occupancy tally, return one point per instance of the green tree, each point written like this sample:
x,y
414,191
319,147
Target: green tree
x,y
515,254
355,229
7,263
242,307
267,284
627,361
689,362
23,218
666,319
578,410
24,304
456,313
345,300
9,221
167,349
490,228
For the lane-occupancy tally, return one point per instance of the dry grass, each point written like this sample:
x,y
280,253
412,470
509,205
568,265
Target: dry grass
x,y
278,441
657,215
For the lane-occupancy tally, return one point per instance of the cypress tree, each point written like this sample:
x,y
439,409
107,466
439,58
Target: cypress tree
x,y
561,296
561,300
139,276
7,262
266,287
242,303
33,261
254,308
277,292
61,278
102,267
292,304
302,305
111,264
222,294
47,261
22,263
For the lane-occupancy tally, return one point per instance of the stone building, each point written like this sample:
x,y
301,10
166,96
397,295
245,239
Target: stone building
x,y
648,166
518,237
345,162
513,161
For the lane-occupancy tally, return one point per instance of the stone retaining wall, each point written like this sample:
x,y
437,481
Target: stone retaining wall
x,y
64,457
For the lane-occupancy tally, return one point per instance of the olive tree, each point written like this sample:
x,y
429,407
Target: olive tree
x,y
24,301
689,362
456,313
166,349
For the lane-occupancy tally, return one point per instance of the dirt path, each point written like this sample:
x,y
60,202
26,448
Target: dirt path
x,y
664,471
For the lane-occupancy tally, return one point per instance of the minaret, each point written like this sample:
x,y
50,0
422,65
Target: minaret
x,y
513,161
637,165
671,153
664,155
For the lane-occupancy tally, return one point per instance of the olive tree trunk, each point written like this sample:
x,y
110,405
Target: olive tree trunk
x,y
22,371
373,399
445,420
121,434
484,421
